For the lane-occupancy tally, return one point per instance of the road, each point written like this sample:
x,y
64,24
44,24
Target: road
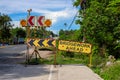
x,y
11,69
11,54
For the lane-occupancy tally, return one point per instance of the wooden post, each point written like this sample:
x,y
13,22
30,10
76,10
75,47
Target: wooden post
x,y
27,56
55,52
28,36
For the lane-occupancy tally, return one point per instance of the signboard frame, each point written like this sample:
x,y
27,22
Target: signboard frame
x,y
75,42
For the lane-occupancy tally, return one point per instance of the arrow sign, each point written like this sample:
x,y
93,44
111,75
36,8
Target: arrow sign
x,y
36,42
31,42
41,42
31,21
40,20
45,42
51,42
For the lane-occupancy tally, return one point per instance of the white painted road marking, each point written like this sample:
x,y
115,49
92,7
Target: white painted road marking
x,y
50,75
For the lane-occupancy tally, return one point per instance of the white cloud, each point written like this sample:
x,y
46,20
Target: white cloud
x,y
13,6
15,24
63,14
51,9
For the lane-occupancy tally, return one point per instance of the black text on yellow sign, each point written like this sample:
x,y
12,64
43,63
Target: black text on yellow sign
x,y
74,46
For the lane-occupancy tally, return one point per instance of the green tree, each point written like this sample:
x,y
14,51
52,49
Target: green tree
x,y
18,32
100,24
5,26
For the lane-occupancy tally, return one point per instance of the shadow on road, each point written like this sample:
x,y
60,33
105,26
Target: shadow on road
x,y
19,71
11,69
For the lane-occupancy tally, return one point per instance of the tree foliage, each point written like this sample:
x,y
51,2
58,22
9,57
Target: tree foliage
x,y
41,32
18,32
5,26
68,34
100,24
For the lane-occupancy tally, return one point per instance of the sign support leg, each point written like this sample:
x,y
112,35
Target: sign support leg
x,y
90,60
31,55
27,56
36,54
55,52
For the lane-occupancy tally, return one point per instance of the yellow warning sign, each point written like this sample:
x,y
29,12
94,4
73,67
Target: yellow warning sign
x,y
74,46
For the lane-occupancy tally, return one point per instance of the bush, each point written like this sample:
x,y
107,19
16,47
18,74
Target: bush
x,y
112,72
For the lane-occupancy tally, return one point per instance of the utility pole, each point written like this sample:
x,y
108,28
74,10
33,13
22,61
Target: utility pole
x,y
83,7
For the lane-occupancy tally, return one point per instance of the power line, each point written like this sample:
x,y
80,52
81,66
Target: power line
x,y
73,20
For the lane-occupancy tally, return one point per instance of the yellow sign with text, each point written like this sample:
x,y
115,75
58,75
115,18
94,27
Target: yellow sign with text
x,y
74,46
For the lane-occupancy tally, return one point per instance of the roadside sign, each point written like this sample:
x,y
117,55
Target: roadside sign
x,y
31,21
23,23
41,42
74,46
40,20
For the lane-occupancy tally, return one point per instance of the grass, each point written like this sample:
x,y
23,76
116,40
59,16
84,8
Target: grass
x,y
60,59
38,61
111,72
66,60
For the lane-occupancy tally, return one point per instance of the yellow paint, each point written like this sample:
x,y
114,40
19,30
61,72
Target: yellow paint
x,y
74,46
45,43
90,59
54,42
36,42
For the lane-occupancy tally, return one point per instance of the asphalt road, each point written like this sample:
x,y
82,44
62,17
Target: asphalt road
x,y
11,69
11,54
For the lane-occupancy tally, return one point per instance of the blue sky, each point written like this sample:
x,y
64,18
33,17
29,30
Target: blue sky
x,y
59,11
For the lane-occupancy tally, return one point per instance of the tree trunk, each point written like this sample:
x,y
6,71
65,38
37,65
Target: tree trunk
x,y
102,50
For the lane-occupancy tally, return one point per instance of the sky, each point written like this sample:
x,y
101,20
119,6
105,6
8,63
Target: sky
x,y
59,11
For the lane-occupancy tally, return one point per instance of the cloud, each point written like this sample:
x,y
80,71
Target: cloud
x,y
53,9
63,14
56,10
8,6
15,23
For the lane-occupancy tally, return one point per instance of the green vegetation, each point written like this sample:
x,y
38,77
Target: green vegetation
x,y
10,35
41,32
111,72
5,27
100,26
37,61
60,59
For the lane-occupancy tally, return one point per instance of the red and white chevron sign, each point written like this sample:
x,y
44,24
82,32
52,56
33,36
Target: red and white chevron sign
x,y
36,20
40,20
31,21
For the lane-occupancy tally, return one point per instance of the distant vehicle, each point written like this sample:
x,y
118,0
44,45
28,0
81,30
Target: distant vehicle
x,y
21,40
